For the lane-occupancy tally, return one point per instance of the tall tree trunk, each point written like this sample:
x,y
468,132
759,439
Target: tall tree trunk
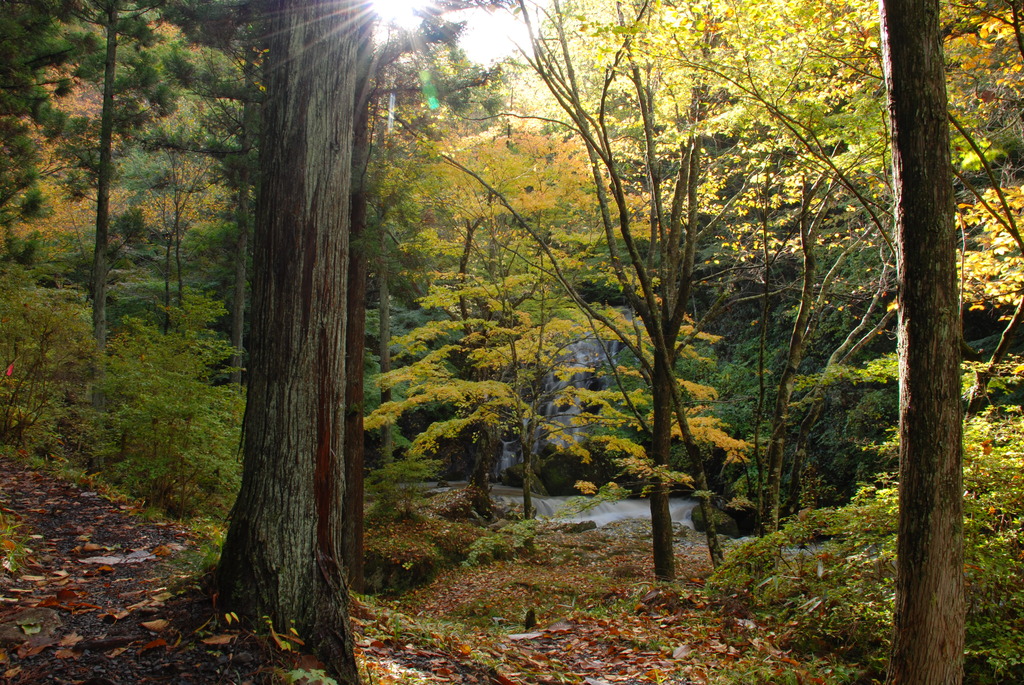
x,y
354,396
167,286
355,342
105,175
243,218
387,446
768,521
928,641
241,269
282,557
661,449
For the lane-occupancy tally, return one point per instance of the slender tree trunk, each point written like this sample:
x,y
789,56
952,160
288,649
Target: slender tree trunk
x,y
105,176
243,218
167,286
354,397
928,641
241,269
386,440
661,449
177,260
979,390
282,557
355,342
769,518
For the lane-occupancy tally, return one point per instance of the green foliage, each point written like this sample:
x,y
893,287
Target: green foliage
x,y
396,486
301,676
403,554
12,545
513,539
829,574
172,434
32,53
46,349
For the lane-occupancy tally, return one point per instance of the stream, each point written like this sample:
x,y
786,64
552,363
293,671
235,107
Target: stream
x,y
601,513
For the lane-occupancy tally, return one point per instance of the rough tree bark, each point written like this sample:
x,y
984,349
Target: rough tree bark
x,y
928,639
355,342
283,554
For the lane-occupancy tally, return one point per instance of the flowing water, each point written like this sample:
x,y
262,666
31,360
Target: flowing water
x,y
601,513
560,426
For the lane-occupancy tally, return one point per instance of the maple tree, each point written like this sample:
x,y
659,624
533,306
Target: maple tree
x,y
699,194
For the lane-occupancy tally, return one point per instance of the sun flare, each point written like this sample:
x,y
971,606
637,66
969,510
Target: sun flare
x,y
406,14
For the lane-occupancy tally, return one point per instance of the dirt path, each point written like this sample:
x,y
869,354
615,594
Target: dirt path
x,y
105,597
91,603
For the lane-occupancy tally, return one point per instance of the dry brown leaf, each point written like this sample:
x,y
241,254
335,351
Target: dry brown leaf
x,y
70,640
681,651
156,626
159,642
28,649
114,653
66,654
162,551
218,639
91,547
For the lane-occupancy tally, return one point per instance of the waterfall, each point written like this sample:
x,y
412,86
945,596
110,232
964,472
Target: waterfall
x,y
558,424
681,508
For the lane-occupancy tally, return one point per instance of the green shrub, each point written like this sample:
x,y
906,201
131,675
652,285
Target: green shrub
x,y
173,435
12,545
396,486
46,351
829,574
504,544
402,554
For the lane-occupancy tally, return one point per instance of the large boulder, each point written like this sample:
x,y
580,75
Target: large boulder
x,y
724,524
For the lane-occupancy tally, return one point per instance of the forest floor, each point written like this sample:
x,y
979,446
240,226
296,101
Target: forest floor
x,y
103,595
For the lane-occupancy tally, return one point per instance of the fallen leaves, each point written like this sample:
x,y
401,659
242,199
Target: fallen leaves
x,y
136,557
156,626
159,642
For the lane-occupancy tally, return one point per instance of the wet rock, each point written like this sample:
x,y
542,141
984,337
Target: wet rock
x,y
576,526
724,524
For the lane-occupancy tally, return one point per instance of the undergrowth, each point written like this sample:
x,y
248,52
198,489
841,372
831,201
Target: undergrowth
x,y
829,575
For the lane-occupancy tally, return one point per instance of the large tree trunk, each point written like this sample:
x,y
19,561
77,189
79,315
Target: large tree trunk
x,y
282,557
928,639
